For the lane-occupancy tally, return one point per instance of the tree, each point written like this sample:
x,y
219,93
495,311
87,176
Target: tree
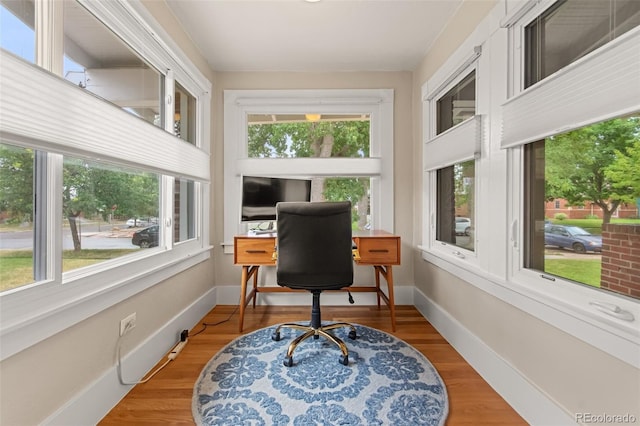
x,y
90,188
322,139
16,183
585,164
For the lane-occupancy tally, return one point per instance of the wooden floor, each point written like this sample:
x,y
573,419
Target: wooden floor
x,y
166,398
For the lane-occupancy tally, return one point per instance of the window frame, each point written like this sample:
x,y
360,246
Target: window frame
x,y
31,313
466,137
378,103
566,300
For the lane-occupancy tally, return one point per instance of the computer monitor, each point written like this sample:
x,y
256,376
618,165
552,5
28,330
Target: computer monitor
x,y
260,195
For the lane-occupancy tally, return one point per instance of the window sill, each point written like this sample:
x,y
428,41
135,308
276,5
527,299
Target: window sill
x,y
618,338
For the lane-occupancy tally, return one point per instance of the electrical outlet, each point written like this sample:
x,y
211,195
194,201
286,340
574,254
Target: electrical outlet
x,y
127,324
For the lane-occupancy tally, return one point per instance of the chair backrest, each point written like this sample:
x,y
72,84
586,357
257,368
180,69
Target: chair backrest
x,y
314,245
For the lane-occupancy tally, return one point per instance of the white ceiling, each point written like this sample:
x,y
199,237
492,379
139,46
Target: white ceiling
x,y
329,35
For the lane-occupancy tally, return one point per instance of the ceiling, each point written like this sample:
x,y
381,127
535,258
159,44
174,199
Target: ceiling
x,y
322,36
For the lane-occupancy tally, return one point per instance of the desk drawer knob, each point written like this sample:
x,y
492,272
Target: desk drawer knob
x,y
379,251
256,251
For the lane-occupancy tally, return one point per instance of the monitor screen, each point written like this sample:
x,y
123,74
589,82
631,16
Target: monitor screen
x,y
261,194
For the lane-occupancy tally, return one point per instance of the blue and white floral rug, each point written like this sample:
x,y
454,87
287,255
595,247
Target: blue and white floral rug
x,y
387,382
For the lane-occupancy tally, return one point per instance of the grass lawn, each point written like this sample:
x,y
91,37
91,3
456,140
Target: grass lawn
x,y
583,271
16,266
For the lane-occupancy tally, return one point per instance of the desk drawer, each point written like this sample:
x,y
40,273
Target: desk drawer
x,y
254,251
382,251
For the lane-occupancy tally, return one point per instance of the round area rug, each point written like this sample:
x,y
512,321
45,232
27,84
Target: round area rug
x,y
387,382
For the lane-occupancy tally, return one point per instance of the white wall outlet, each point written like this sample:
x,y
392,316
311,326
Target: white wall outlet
x,y
127,324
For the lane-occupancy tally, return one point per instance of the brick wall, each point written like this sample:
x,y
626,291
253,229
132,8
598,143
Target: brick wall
x,y
621,259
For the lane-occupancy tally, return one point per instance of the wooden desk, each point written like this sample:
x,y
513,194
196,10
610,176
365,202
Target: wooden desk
x,y
379,249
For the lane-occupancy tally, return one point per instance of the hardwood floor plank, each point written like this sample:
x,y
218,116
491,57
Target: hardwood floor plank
x,y
166,398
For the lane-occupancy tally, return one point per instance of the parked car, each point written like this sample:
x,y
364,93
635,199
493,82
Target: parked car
x,y
140,222
147,237
572,237
463,225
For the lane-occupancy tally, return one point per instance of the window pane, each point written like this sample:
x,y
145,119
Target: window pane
x,y
100,204
355,190
571,29
457,105
16,217
310,135
184,211
185,115
16,28
97,60
455,205
582,204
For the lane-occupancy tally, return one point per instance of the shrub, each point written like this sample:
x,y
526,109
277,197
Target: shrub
x,y
560,216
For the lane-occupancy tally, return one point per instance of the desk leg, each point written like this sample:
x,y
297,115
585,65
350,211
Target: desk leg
x,y
392,302
377,284
243,295
387,272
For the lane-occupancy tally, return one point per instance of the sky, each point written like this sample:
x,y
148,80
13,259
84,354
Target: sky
x,y
18,38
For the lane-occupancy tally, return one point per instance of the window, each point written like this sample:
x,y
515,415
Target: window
x,y
455,204
98,203
458,104
104,65
184,115
184,215
17,33
588,163
318,136
571,29
596,164
16,212
89,186
453,143
341,139
568,137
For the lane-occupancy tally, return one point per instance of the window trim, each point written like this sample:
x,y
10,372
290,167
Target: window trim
x,y
34,312
379,165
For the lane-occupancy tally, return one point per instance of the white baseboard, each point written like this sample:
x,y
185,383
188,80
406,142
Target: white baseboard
x,y
532,404
230,295
95,401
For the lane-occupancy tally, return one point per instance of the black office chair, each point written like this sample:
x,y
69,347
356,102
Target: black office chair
x,y
314,253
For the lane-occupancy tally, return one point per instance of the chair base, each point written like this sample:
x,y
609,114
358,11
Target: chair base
x,y
316,332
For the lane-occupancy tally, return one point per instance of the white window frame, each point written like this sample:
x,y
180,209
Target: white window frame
x,y
238,104
32,313
460,143
562,302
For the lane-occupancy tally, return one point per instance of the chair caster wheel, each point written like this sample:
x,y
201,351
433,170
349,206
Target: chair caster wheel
x,y
352,335
344,359
316,336
275,336
288,361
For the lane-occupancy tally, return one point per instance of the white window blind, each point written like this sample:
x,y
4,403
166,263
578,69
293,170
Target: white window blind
x,y
46,112
458,144
602,85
